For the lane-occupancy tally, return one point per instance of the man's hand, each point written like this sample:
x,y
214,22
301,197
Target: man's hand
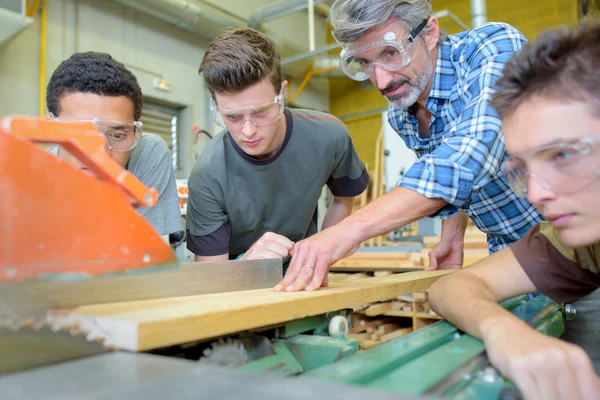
x,y
541,366
447,254
270,245
312,257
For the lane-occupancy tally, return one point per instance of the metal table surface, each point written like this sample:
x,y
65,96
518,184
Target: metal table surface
x,y
136,376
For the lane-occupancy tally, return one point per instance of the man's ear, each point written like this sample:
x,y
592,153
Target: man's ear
x,y
284,86
50,116
432,36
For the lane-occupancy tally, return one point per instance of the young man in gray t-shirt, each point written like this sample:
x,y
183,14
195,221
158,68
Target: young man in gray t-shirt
x,y
254,191
94,87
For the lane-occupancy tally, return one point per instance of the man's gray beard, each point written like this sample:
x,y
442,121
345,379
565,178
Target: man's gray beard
x,y
418,85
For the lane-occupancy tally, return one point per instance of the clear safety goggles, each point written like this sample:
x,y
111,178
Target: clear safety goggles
x,y
391,53
120,136
563,168
234,119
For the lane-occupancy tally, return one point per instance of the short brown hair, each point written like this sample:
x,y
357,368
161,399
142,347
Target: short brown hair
x,y
562,63
238,58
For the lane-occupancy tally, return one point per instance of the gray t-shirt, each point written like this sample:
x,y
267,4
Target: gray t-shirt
x,y
234,199
151,163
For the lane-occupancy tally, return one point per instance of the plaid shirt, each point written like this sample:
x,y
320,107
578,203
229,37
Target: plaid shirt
x,y
460,161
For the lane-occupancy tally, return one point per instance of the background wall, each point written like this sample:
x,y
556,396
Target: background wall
x,y
149,47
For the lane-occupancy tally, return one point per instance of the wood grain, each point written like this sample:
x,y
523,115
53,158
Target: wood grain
x,y
151,324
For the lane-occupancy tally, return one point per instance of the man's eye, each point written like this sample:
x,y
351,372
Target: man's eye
x,y
260,113
233,117
392,53
564,155
364,63
118,137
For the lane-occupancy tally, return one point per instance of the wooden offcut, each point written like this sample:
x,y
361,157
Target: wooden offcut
x,y
152,324
378,261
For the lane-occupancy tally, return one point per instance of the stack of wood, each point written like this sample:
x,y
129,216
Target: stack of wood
x,y
377,323
371,332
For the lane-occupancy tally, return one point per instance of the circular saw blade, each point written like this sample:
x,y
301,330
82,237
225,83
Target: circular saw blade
x,y
29,346
226,352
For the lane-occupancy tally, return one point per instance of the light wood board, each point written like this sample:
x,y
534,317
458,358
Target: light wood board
x,y
364,261
151,324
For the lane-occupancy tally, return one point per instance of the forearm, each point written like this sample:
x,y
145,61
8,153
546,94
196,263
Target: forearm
x,y
469,298
339,209
466,302
397,208
219,258
454,228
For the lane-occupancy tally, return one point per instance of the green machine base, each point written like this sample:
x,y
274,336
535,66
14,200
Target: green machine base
x,y
437,360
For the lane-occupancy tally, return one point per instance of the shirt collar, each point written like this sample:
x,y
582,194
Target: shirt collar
x,y
444,78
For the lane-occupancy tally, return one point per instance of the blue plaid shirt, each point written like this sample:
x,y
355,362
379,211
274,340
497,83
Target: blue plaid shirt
x,y
460,161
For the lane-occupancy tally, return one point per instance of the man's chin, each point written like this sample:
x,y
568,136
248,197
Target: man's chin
x,y
577,237
402,101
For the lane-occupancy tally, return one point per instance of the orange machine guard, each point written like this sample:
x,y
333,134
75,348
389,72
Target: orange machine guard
x,y
56,218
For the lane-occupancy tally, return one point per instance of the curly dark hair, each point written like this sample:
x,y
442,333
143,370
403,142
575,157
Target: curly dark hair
x,y
96,73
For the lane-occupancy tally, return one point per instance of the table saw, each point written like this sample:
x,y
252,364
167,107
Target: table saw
x,y
306,358
94,304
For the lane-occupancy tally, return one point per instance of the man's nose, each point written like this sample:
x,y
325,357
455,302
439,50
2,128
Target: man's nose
x,y
381,77
249,129
538,191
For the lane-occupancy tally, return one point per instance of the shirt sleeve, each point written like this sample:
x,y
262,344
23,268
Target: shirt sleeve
x,y
349,177
471,153
156,171
206,223
553,272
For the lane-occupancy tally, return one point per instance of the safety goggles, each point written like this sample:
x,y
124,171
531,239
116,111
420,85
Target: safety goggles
x,y
563,168
234,119
391,53
120,136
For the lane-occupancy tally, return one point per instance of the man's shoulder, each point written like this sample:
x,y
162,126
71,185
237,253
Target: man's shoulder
x,y
152,142
319,124
487,40
151,151
318,117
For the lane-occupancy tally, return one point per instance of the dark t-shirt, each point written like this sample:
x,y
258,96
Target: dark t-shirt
x,y
560,272
234,199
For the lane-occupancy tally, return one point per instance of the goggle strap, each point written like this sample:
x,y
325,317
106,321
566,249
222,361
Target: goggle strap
x,y
415,32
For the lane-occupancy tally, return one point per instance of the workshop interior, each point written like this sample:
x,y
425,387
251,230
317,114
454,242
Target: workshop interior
x,y
96,303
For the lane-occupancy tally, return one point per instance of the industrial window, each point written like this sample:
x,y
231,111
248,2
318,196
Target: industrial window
x,y
164,122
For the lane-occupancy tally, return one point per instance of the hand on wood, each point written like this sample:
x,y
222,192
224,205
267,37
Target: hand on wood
x,y
270,245
447,254
313,256
541,366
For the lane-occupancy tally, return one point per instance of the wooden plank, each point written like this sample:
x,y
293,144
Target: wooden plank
x,y
396,334
145,325
369,344
398,261
387,328
382,273
380,255
376,265
378,309
359,337
393,313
